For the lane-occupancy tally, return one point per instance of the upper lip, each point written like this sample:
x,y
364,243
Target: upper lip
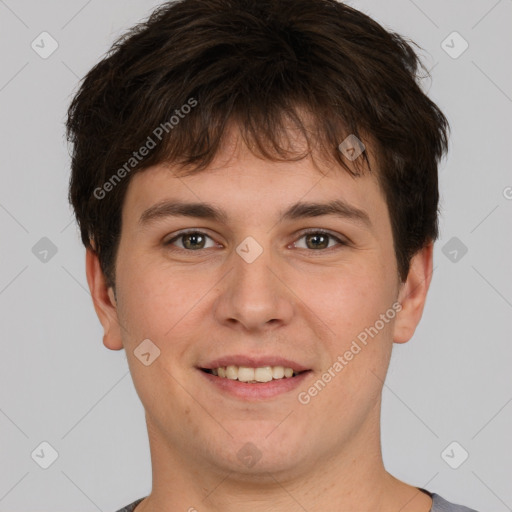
x,y
253,362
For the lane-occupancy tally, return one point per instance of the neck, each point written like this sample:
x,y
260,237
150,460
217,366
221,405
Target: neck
x,y
352,477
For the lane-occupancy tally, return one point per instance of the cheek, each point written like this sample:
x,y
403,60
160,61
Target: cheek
x,y
356,307
357,351
161,309
347,300
157,301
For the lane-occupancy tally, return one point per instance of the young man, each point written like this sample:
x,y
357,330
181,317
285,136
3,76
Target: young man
x,y
256,187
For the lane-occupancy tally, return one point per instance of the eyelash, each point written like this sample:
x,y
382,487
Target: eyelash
x,y
304,233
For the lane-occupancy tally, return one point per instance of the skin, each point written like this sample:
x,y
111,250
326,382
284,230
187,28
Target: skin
x,y
295,300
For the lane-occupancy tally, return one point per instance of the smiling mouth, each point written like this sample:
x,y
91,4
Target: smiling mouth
x,y
253,375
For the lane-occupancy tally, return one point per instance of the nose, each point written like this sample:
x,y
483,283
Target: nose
x,y
255,296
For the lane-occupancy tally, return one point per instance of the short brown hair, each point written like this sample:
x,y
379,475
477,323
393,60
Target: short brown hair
x,y
260,64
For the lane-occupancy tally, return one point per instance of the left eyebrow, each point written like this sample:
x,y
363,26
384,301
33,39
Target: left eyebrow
x,y
338,208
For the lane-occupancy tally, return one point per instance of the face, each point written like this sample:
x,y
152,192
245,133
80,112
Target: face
x,y
262,285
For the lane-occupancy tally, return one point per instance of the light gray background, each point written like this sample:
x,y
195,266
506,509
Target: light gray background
x,y
59,384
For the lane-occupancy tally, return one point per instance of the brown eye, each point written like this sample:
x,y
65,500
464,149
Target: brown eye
x,y
318,240
190,241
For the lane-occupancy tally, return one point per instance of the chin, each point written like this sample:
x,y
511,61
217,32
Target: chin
x,y
260,450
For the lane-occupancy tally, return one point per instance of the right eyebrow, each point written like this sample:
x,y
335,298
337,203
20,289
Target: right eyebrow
x,y
182,209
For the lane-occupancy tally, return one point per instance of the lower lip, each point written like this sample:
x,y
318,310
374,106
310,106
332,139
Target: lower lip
x,y
259,390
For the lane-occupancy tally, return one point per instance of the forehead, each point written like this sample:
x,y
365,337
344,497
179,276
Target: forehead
x,y
240,183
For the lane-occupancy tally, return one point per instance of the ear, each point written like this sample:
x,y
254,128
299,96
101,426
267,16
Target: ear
x,y
104,301
413,294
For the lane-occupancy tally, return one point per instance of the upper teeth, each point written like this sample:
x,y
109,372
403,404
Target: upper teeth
x,y
247,374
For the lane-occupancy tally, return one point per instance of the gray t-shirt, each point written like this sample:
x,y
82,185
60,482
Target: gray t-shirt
x,y
439,504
